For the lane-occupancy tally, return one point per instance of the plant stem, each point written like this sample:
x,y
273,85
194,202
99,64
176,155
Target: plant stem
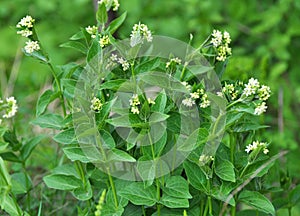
x,y
244,170
59,88
143,210
233,210
111,182
157,180
232,146
290,211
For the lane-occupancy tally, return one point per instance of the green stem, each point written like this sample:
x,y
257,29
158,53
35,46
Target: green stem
x,y
79,169
59,88
111,182
157,180
232,146
290,211
233,210
233,103
143,210
245,168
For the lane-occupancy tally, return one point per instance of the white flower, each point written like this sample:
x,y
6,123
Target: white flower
x,y
189,102
110,3
205,102
96,104
220,94
195,95
217,38
203,159
261,108
114,57
187,86
11,107
115,5
251,87
104,41
248,148
124,63
134,101
135,110
92,30
26,22
264,92
139,33
266,151
32,46
227,38
255,145
25,32
173,60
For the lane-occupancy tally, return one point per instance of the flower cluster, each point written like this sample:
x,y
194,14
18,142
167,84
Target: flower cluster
x,y
134,102
92,30
25,27
110,3
257,145
104,40
262,93
204,159
139,33
9,107
32,46
114,58
230,90
173,61
221,43
199,94
99,206
96,104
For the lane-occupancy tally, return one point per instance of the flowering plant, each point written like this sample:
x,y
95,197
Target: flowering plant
x,y
146,127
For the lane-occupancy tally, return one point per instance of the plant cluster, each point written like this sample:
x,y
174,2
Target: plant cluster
x,y
141,133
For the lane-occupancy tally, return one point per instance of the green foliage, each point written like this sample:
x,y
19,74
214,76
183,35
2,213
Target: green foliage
x,y
180,167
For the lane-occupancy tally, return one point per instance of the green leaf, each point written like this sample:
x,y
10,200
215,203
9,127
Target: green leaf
x,y
66,169
76,153
62,182
28,147
174,202
177,186
66,137
249,212
69,86
157,117
295,195
21,183
101,14
195,176
139,195
94,50
112,84
11,207
119,155
116,23
75,45
257,200
84,192
160,102
47,97
131,210
5,179
10,156
53,121
107,140
225,170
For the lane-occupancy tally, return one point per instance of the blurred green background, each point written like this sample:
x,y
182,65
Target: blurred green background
x,y
265,42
